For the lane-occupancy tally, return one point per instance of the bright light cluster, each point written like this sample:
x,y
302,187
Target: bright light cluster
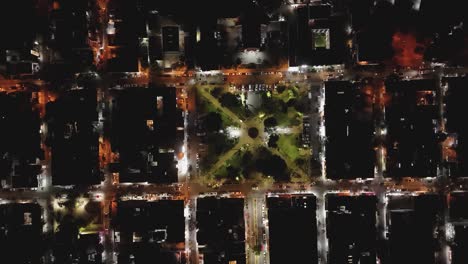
x,y
233,132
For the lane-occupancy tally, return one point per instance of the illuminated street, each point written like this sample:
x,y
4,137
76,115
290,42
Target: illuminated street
x,y
257,229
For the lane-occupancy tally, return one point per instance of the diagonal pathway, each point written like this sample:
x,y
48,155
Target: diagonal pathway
x,y
218,105
225,157
245,139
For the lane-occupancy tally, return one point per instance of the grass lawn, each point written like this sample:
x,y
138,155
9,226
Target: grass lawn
x,y
217,146
287,145
320,40
206,107
285,96
217,143
234,162
288,94
240,111
291,118
238,108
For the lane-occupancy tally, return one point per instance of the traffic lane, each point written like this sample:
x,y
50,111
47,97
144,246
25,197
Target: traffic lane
x,y
219,79
255,228
253,79
250,78
413,185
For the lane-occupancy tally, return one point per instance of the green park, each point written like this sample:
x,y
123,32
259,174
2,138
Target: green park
x,y
253,135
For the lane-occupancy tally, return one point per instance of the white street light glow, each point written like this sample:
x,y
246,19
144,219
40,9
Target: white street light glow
x,y
233,132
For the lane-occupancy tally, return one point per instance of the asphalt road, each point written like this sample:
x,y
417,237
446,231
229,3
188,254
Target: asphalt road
x,y
255,216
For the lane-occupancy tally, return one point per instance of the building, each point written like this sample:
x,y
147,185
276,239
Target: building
x,y
70,28
21,36
351,222
460,247
254,26
90,249
73,138
456,147
316,35
243,36
20,146
229,34
22,69
228,39
457,201
374,24
168,40
412,118
277,42
150,230
125,30
349,130
221,230
145,134
458,217
292,229
411,228
21,228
